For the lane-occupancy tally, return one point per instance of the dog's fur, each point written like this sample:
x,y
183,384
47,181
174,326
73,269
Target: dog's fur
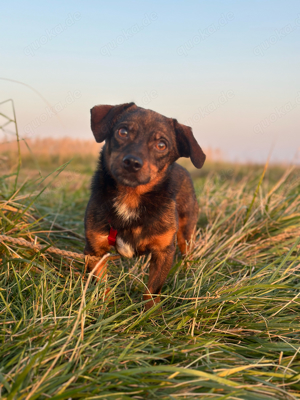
x,y
140,191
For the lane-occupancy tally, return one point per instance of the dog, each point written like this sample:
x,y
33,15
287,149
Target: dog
x,y
141,199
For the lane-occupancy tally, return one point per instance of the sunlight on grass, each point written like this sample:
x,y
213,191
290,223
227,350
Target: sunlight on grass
x,y
230,322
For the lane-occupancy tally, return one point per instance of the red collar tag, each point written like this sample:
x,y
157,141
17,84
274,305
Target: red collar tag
x,y
112,236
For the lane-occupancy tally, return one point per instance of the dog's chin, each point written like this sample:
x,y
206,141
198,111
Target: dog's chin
x,y
130,181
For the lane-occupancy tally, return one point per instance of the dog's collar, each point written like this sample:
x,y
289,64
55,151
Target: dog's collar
x,y
112,235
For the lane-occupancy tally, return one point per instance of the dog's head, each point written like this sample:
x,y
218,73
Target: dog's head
x,y
140,143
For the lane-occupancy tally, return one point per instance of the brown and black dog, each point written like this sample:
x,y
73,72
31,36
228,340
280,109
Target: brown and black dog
x,y
141,199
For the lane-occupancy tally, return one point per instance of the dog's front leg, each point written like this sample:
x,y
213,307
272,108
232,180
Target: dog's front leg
x,y
97,245
160,265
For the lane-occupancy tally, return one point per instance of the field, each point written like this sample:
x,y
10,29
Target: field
x,y
230,325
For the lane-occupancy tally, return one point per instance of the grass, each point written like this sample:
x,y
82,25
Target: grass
x,y
230,325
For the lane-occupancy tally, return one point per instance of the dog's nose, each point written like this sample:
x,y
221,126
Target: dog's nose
x,y
132,163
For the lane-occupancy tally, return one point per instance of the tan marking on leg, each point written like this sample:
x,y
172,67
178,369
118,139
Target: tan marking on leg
x,y
153,299
99,246
101,270
98,241
180,235
157,242
185,234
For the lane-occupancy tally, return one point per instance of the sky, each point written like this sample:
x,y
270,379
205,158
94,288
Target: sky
x,y
229,69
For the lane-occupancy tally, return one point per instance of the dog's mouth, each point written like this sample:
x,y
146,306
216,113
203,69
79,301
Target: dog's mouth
x,y
129,178
131,182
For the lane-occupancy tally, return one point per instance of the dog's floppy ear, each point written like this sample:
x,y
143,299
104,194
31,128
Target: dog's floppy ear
x,y
187,145
103,117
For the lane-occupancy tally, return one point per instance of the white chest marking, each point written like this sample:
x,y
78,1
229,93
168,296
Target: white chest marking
x,y
124,211
123,248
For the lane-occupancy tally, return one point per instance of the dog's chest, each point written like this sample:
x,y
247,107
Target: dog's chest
x,y
131,210
126,212
126,207
130,242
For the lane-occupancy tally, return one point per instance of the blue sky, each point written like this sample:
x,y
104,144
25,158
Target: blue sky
x,y
229,69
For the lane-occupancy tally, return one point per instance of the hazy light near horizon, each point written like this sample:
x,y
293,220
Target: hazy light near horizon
x,y
228,69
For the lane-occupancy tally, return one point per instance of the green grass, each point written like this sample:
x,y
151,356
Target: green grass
x,y
230,326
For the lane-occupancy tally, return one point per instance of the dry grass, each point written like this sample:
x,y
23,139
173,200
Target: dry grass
x,y
230,324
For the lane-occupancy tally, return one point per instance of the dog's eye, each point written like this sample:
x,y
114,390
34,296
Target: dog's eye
x,y
123,132
161,145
